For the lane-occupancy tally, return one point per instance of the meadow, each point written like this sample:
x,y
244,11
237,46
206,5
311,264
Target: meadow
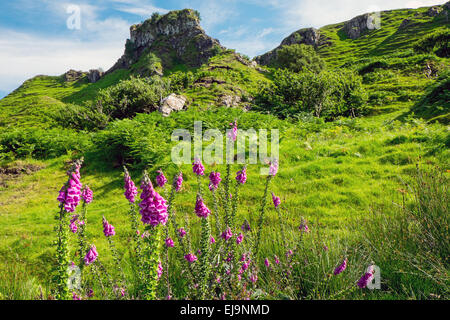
x,y
372,188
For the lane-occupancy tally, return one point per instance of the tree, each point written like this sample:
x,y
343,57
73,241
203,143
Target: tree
x,y
299,58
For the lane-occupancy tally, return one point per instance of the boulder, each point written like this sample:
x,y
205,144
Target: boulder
x,y
173,102
94,75
229,100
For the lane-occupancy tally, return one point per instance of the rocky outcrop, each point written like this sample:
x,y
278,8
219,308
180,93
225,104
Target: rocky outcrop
x,y
171,103
229,100
434,11
175,36
357,26
73,75
405,24
309,36
94,75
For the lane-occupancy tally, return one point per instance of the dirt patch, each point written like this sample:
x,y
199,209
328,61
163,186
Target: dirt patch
x,y
15,171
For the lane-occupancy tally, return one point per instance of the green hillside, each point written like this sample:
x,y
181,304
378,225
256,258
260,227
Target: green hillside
x,y
334,171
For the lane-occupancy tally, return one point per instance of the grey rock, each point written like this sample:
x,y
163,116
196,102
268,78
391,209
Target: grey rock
x,y
94,75
171,103
308,36
357,26
229,100
73,75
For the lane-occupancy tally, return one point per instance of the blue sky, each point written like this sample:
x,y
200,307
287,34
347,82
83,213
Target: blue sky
x,y
35,39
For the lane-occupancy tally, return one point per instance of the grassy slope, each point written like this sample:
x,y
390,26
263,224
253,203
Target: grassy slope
x,y
350,166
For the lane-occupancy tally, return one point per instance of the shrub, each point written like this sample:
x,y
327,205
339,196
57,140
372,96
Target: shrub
x,y
129,97
299,58
436,42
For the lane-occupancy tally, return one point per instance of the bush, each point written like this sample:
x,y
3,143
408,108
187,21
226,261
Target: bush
x,y
132,96
436,42
80,118
328,94
299,58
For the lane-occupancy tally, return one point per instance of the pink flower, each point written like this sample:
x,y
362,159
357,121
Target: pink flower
x,y
201,209
153,207
73,227
266,262
91,255
179,182
276,200
161,179
214,180
273,168
160,269
75,296
245,265
108,229
227,234
130,188
241,176
254,278
303,227
198,167
365,279
212,240
340,267
239,238
233,133
70,194
190,258
170,243
122,292
181,232
245,226
90,293
289,253
87,194
277,261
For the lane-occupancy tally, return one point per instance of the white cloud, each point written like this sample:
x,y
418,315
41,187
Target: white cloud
x,y
317,13
23,56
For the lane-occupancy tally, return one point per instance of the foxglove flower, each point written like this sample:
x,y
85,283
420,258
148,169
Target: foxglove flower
x,y
254,278
276,200
200,208
179,182
130,188
241,176
181,232
239,238
190,258
87,194
198,167
365,279
70,194
161,179
73,227
75,296
340,268
214,180
227,234
289,253
273,168
266,262
153,207
91,255
212,240
233,133
245,226
160,269
277,261
122,292
108,229
303,227
170,243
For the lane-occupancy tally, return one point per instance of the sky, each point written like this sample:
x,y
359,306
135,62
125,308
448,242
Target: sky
x,y
43,37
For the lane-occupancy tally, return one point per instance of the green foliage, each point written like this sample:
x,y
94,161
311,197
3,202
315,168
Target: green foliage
x,y
436,42
80,117
299,58
131,96
328,94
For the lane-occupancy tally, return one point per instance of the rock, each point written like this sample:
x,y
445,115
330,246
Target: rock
x,y
94,75
356,26
308,36
175,37
173,102
434,11
405,23
73,75
229,100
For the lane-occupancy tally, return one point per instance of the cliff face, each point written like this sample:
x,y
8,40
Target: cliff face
x,y
175,37
309,36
